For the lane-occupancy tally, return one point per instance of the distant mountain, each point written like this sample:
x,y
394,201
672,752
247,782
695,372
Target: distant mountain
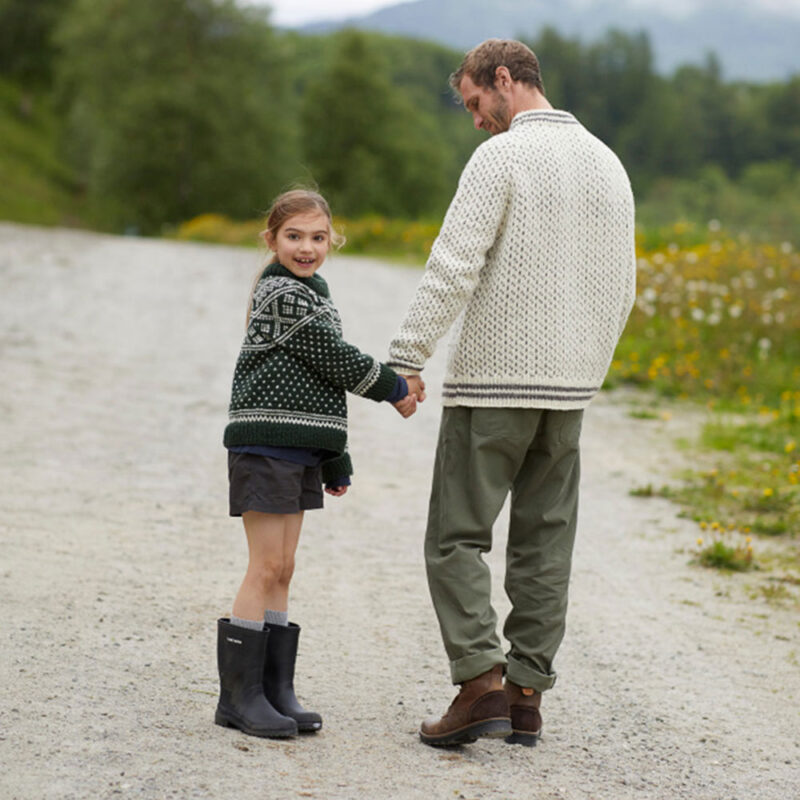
x,y
751,44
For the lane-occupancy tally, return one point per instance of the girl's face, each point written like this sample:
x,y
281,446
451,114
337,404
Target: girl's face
x,y
302,243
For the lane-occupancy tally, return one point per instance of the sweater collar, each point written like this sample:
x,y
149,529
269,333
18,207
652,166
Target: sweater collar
x,y
542,115
315,282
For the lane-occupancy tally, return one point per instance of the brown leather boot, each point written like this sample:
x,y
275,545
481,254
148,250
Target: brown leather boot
x,y
526,720
479,709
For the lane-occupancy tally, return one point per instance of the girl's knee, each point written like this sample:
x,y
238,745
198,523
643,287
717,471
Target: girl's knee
x,y
272,573
286,573
267,574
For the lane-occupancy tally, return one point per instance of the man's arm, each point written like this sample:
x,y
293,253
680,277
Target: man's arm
x,y
457,257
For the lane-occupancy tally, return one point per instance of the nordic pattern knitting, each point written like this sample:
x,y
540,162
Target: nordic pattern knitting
x,y
294,368
535,263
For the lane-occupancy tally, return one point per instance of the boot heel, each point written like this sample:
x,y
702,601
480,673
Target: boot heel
x,y
219,719
525,739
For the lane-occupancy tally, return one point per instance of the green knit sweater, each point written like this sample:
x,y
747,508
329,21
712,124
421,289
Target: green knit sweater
x,y
294,369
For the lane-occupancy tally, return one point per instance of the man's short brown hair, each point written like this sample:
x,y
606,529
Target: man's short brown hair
x,y
481,64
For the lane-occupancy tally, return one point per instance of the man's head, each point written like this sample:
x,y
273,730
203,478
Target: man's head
x,y
496,80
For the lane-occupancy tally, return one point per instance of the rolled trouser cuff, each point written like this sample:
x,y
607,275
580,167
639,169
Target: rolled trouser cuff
x,y
468,667
526,676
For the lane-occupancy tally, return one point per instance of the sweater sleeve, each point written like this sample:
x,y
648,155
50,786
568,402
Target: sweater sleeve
x,y
289,321
336,468
469,230
629,293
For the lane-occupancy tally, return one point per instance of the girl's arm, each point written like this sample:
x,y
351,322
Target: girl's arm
x,y
317,343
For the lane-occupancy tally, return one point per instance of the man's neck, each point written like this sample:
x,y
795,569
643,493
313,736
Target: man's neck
x,y
526,99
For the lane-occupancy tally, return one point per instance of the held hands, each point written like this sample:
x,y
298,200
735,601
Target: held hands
x,y
416,394
407,406
416,386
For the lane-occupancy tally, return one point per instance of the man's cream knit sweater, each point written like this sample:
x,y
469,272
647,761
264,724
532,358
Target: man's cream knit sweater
x,y
536,259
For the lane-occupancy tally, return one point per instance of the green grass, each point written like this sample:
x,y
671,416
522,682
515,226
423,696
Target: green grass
x,y
717,323
726,557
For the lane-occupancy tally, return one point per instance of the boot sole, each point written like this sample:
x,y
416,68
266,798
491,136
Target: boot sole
x,y
485,729
309,727
524,738
226,721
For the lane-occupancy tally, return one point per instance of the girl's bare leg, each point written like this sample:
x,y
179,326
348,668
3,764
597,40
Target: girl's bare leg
x,y
271,544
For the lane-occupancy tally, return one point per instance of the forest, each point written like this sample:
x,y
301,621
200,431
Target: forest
x,y
138,115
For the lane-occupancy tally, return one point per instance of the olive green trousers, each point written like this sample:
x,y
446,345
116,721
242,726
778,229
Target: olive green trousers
x,y
482,455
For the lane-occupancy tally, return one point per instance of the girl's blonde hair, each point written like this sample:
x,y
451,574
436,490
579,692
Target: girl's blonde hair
x,y
287,205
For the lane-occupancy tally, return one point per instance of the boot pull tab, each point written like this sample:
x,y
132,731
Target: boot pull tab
x,y
528,692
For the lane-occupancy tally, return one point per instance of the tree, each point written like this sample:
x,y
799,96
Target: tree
x,y
27,49
175,107
369,147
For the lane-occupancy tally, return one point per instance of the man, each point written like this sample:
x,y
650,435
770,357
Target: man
x,y
536,259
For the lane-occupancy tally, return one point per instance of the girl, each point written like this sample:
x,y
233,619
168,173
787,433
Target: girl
x,y
286,435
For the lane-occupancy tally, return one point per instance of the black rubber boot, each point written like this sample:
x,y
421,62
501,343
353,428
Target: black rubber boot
x,y
279,676
242,704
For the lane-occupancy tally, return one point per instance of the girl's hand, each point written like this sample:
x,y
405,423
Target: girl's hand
x,y
338,491
407,406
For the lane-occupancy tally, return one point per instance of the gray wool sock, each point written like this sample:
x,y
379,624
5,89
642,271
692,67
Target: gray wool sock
x,y
276,617
252,624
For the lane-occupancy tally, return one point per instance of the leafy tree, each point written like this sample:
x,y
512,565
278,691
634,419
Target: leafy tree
x,y
367,144
175,107
782,115
27,49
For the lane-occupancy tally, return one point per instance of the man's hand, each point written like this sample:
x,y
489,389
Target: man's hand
x,y
338,491
416,386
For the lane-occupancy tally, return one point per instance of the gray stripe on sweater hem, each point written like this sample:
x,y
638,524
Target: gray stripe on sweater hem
x,y
518,396
519,387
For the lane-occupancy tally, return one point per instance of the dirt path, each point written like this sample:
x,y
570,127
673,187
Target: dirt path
x,y
116,558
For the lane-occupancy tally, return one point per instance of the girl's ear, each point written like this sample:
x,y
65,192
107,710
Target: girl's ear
x,y
269,239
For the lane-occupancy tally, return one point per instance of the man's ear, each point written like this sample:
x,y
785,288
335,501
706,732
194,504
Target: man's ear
x,y
502,78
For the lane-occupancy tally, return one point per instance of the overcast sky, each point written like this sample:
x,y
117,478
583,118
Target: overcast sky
x,y
297,12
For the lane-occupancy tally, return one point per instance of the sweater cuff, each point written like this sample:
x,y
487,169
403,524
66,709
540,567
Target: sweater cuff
x,y
336,467
343,480
400,390
383,386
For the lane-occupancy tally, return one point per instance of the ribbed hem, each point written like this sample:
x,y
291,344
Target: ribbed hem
x,y
517,394
286,435
404,367
483,402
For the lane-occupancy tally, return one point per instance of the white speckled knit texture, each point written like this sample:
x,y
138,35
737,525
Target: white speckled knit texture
x,y
535,263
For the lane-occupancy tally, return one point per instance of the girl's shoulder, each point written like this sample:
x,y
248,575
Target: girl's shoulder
x,y
273,287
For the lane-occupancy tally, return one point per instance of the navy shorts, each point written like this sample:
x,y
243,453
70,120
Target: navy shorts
x,y
272,485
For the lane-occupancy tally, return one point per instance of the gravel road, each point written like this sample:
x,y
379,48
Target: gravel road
x,y
117,557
